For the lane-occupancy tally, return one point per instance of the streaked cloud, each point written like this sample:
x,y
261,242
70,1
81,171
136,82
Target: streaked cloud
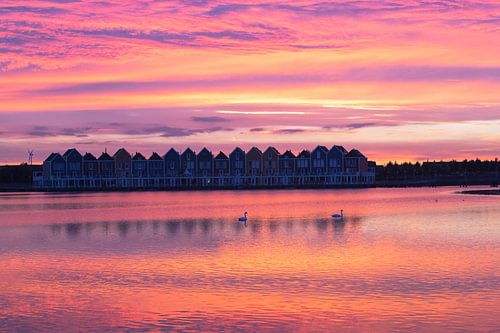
x,y
378,75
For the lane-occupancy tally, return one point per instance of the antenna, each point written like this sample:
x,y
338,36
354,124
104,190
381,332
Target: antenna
x,y
30,156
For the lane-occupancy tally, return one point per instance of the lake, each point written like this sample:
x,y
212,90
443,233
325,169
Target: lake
x,y
422,259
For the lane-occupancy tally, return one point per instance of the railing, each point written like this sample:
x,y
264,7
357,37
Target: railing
x,y
183,182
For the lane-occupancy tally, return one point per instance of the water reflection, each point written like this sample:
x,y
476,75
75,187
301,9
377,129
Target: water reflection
x,y
187,228
399,261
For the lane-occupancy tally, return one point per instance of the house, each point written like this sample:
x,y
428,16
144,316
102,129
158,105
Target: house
x,y
221,169
270,159
287,163
106,165
237,166
204,163
336,160
123,163
74,163
319,158
172,163
188,163
139,166
253,161
303,163
356,167
54,166
155,166
355,162
90,165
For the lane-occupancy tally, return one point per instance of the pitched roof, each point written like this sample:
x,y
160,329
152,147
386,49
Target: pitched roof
x,y
187,151
121,150
323,148
274,150
372,164
155,157
288,154
205,152
255,149
341,148
105,157
89,157
50,157
171,151
70,151
237,150
138,157
221,156
304,154
355,153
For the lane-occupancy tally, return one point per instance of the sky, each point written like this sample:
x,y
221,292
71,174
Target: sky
x,y
399,80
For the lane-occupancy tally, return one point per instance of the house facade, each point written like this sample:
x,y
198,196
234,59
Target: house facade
x,y
321,167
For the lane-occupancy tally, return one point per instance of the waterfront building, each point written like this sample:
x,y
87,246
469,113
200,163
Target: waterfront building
x,y
90,166
106,165
253,165
237,166
204,163
322,167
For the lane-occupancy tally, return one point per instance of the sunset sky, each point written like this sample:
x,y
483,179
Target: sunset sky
x,y
398,80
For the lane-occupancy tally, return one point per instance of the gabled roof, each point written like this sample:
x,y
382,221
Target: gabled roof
x,y
304,154
51,157
287,154
138,157
120,151
170,152
205,152
105,157
155,157
188,151
341,148
237,150
323,148
89,157
272,149
71,151
221,156
255,149
355,153
372,164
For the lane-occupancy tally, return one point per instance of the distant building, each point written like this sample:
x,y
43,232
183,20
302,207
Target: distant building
x,y
321,167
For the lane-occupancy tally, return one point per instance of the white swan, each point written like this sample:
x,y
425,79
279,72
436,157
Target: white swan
x,y
339,216
243,218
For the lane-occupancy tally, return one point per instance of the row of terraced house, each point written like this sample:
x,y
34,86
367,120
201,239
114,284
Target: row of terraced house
x,y
176,170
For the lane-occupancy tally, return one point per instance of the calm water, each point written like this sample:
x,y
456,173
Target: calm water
x,y
404,259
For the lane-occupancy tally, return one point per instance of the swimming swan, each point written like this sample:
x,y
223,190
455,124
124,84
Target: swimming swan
x,y
243,218
339,216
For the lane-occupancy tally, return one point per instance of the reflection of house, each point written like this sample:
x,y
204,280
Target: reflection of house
x,y
321,167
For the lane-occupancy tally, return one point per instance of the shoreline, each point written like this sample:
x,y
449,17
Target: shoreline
x,y
481,192
29,188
